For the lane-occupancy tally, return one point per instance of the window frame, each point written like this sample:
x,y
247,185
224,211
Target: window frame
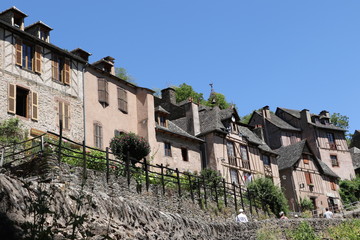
x,y
60,69
64,114
336,160
103,91
98,135
185,154
122,100
167,149
268,158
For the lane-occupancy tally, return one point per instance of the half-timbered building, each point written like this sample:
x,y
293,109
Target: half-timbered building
x,y
304,176
41,84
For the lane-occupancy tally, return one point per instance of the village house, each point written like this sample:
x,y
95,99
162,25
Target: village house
x,y
114,106
304,176
214,139
41,84
327,141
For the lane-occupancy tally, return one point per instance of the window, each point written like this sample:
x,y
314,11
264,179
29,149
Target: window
x,y
60,69
22,102
292,139
331,139
103,92
161,119
333,186
184,154
117,133
231,153
266,159
234,176
306,159
334,161
28,56
308,178
167,148
244,157
98,136
64,115
122,100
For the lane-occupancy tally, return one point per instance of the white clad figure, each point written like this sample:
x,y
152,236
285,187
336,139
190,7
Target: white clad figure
x,y
241,217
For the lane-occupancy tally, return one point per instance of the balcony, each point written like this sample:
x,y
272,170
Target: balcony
x,y
232,160
332,146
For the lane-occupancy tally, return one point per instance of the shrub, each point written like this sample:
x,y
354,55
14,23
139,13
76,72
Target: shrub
x,y
267,195
306,204
11,131
350,190
347,230
137,146
303,232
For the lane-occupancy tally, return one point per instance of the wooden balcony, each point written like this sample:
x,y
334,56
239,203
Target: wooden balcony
x,y
245,164
232,161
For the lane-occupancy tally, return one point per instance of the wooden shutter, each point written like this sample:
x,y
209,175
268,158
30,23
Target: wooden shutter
x,y
34,106
55,68
67,72
122,100
18,48
38,59
103,91
12,98
308,178
61,114
66,116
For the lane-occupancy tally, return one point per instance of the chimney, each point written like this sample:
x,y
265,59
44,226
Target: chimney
x,y
258,130
266,112
106,64
192,118
305,116
81,53
169,95
39,30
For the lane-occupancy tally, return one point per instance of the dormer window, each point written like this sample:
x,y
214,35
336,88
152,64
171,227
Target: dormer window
x,y
18,21
43,35
161,120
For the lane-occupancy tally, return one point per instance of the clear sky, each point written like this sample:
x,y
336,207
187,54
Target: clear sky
x,y
281,53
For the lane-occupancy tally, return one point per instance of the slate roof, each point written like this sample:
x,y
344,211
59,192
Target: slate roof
x,y
296,113
355,155
290,155
161,109
279,122
174,129
253,138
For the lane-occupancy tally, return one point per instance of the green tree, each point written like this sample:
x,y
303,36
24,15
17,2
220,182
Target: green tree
x,y
268,196
339,120
11,131
184,92
350,190
218,99
122,73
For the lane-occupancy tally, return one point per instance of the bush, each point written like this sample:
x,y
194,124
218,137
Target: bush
x,y
268,196
347,230
11,131
137,146
350,190
306,204
303,232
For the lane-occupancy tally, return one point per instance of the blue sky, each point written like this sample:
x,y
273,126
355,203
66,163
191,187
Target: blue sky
x,y
291,54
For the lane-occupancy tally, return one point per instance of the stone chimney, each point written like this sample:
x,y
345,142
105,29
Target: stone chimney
x,y
81,53
192,118
266,112
168,95
305,116
258,130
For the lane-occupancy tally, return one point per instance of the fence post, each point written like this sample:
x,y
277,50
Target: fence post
x,y
249,197
84,161
127,167
162,179
2,157
107,165
199,191
241,198
178,181
191,190
60,140
234,190
205,197
146,175
216,194
224,187
42,143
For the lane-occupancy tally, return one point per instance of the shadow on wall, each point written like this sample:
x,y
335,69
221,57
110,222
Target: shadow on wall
x,y
7,228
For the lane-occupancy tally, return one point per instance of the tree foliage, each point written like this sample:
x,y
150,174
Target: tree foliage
x,y
350,190
11,131
184,92
268,196
339,120
137,146
122,73
217,99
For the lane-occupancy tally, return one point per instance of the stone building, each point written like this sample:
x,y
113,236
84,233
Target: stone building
x,y
355,154
328,143
304,176
41,83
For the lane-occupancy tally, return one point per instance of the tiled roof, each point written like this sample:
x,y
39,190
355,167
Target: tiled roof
x,y
290,155
161,109
295,113
279,122
210,120
253,138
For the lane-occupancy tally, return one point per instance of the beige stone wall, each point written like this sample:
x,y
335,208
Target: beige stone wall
x,y
49,92
176,160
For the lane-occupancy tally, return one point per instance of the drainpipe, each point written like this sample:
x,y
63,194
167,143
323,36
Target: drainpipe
x,y
84,115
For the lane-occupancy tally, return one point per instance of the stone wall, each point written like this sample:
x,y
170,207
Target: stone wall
x,y
116,210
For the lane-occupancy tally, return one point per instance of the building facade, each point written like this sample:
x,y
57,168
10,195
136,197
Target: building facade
x,y
41,84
